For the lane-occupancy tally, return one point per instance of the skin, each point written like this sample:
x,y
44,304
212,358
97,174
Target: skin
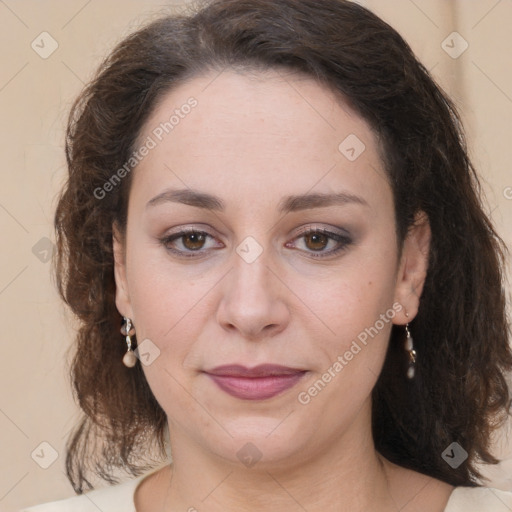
x,y
253,139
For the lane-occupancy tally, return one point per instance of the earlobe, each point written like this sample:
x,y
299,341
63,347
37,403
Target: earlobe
x,y
122,294
413,267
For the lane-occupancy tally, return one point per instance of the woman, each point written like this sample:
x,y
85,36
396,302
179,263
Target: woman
x,y
272,237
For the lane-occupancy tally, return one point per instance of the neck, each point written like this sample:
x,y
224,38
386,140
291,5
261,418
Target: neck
x,y
345,473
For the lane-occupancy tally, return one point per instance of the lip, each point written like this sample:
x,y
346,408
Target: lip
x,y
257,383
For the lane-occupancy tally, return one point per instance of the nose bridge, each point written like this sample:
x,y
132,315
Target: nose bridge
x,y
251,276
252,301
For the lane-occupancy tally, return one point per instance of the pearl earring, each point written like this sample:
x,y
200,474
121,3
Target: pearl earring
x,y
129,359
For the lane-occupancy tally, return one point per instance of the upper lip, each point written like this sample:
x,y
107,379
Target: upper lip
x,y
262,370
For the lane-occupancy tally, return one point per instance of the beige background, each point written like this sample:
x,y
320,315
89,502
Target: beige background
x,y
35,95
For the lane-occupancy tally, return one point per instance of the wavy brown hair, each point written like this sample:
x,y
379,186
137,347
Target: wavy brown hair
x,y
461,332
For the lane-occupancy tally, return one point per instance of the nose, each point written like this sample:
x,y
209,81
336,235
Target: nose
x,y
253,300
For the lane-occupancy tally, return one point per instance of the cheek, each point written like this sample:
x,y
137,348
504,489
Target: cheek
x,y
156,290
357,297
360,322
170,312
359,312
166,304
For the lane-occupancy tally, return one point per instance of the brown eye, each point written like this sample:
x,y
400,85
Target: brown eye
x,y
316,241
190,243
193,241
320,243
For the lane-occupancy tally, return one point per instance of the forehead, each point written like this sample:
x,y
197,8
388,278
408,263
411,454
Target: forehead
x,y
262,131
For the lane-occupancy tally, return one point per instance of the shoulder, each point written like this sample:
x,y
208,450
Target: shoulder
x,y
479,499
116,498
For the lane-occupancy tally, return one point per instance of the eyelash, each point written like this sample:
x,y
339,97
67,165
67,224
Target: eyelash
x,y
343,240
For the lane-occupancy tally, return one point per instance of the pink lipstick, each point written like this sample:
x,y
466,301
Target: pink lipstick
x,y
258,383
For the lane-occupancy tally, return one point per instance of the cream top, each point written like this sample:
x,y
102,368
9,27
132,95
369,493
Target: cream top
x,y
120,498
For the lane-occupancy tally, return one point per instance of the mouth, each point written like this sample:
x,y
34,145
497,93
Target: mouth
x,y
258,383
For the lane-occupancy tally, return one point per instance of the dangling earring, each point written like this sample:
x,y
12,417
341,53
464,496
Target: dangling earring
x,y
411,370
128,330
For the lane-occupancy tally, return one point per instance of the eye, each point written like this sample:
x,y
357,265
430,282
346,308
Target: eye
x,y
318,242
322,242
188,241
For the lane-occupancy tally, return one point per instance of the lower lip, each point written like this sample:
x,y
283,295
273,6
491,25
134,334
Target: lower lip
x,y
256,388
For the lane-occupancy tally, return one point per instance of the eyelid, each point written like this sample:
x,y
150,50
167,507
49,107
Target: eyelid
x,y
314,228
176,233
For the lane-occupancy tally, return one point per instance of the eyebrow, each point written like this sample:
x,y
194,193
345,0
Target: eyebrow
x,y
288,204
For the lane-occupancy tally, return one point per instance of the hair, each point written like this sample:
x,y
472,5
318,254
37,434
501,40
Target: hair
x,y
459,393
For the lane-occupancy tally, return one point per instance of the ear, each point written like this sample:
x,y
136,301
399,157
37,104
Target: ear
x,y
412,270
123,303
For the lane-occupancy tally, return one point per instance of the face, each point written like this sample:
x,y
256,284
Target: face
x,y
261,231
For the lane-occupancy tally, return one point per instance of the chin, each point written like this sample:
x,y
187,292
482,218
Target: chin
x,y
262,441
